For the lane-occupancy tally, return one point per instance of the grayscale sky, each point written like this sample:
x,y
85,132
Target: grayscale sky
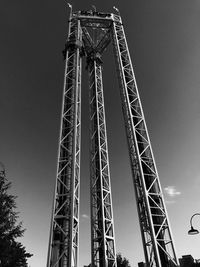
x,y
164,43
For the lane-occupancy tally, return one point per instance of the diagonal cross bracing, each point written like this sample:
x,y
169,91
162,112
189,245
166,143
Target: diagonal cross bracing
x,y
156,233
63,244
90,32
102,225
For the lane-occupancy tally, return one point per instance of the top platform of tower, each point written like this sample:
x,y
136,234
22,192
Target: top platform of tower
x,y
90,16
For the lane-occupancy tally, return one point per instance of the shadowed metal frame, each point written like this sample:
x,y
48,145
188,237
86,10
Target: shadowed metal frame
x,y
102,225
155,229
64,233
154,224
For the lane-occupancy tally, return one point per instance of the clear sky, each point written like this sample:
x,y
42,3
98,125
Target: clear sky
x,y
164,42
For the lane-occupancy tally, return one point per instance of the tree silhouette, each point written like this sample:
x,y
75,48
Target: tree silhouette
x,y
122,262
12,253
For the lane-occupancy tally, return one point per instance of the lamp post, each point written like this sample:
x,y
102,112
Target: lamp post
x,y
193,231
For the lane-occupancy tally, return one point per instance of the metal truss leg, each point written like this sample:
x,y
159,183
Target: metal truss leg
x,y
102,226
63,245
155,229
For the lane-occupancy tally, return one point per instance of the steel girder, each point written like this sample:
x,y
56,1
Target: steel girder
x,y
155,229
64,233
102,225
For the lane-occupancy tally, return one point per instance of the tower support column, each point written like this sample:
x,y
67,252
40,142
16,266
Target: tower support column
x,y
64,235
90,32
155,229
102,225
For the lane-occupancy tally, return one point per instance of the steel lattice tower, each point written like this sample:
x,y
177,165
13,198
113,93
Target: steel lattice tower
x,y
90,32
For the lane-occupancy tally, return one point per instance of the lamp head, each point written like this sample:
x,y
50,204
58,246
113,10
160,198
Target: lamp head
x,y
193,231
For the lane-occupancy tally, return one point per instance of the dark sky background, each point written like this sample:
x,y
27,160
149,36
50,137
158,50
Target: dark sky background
x,y
164,43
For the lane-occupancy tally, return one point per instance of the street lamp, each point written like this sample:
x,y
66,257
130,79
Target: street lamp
x,y
193,231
